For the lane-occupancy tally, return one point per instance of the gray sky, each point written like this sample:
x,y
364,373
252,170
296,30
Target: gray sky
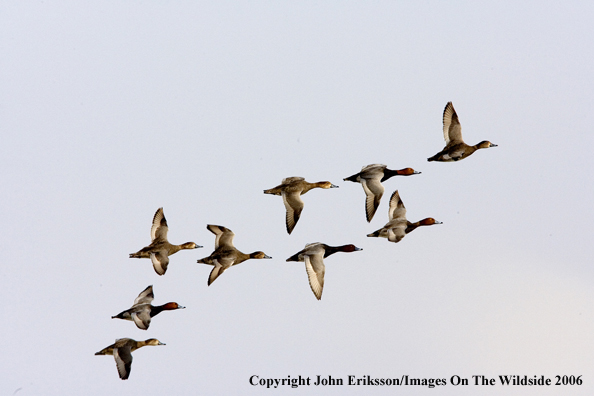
x,y
110,110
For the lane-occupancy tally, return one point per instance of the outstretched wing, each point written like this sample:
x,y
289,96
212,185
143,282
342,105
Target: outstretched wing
x,y
224,236
159,228
160,261
145,297
397,211
142,318
294,205
123,359
452,130
315,268
220,265
374,190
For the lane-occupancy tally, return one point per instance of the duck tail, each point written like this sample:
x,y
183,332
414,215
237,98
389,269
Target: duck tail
x,y
374,234
121,315
351,178
273,191
294,257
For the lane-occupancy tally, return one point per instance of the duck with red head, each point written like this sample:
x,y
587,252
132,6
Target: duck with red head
x,y
410,227
455,149
397,227
313,255
142,311
371,178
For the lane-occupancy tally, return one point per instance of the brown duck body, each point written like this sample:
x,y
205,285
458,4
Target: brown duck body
x,y
455,149
371,178
160,249
313,255
225,254
122,352
163,246
291,190
458,151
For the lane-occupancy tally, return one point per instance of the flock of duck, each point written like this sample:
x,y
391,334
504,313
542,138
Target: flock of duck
x,y
226,255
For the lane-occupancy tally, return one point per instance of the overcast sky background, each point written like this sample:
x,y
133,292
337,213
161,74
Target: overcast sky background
x,y
110,110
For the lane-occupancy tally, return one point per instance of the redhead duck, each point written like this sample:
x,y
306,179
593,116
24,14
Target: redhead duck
x,y
160,249
291,190
142,311
225,254
122,352
455,148
313,255
371,178
397,227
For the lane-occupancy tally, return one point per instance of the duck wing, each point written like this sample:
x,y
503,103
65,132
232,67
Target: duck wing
x,y
374,190
397,211
159,228
313,248
224,236
315,268
142,317
373,170
294,205
452,130
123,359
160,261
145,297
396,232
288,180
220,265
